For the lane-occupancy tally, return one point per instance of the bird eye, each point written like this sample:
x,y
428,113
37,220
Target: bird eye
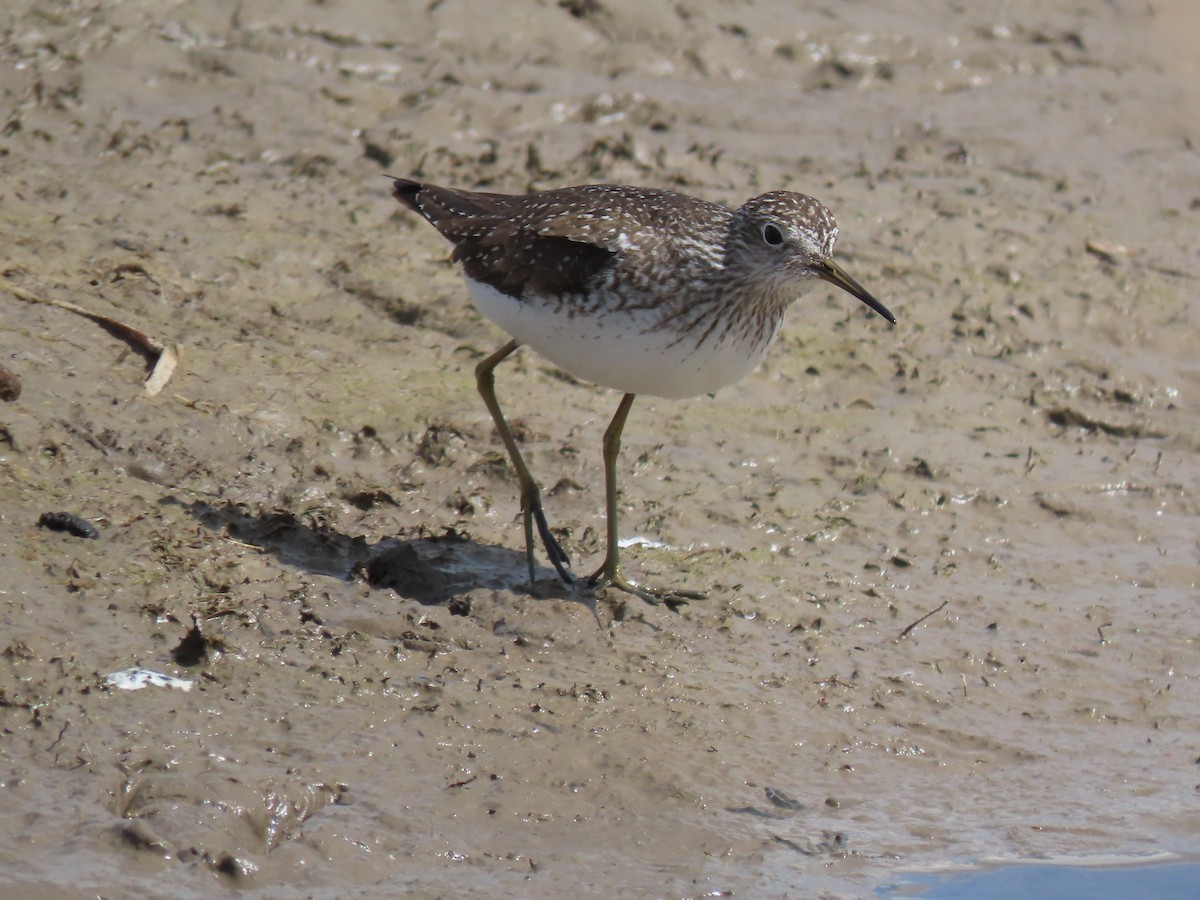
x,y
772,235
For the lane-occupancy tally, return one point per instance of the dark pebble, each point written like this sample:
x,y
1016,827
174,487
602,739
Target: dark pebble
x,y
68,522
10,384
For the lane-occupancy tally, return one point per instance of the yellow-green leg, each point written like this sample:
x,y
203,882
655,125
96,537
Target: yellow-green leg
x,y
609,574
531,495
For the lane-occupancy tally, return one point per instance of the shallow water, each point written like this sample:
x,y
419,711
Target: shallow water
x,y
1161,880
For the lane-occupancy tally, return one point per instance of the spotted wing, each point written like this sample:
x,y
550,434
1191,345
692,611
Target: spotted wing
x,y
498,241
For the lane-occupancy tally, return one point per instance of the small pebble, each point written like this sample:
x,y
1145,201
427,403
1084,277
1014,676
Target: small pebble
x,y
68,522
10,384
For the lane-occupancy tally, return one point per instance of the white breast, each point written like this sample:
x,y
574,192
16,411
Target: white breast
x,y
623,349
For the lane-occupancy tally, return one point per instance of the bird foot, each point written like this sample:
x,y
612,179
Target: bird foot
x,y
671,597
554,551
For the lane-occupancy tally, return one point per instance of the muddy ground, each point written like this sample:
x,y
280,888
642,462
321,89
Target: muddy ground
x,y
314,524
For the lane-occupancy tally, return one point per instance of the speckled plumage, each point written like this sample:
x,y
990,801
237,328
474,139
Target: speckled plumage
x,y
643,291
640,290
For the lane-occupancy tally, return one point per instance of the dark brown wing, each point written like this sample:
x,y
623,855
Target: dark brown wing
x,y
496,238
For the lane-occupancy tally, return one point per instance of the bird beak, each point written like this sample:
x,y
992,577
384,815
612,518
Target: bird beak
x,y
835,274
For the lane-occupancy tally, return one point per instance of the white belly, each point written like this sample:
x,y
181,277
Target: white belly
x,y
623,349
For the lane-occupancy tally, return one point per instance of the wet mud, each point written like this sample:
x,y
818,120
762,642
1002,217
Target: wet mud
x,y
952,565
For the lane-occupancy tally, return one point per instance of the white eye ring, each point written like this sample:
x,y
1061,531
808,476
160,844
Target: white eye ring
x,y
772,235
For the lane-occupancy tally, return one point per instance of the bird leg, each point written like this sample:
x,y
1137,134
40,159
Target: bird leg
x,y
531,495
609,574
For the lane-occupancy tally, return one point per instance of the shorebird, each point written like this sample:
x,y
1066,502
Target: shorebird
x,y
639,290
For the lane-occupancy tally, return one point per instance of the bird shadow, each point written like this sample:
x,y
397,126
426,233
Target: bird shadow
x,y
434,569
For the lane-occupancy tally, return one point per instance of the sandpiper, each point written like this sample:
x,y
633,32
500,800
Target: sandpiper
x,y
639,290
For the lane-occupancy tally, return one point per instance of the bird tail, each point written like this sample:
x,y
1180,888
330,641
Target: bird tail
x,y
406,190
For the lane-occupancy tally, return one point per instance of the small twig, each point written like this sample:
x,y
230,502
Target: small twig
x,y
834,681
254,547
161,356
932,612
58,740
